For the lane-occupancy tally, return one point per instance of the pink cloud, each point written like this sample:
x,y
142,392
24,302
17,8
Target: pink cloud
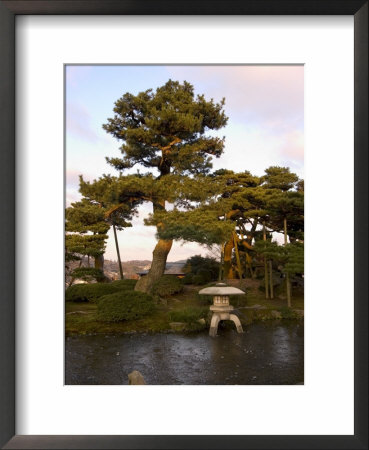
x,y
293,146
273,95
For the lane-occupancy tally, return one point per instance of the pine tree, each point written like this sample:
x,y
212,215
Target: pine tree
x,y
233,207
86,235
165,131
117,212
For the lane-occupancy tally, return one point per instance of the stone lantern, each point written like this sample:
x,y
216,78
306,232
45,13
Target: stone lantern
x,y
221,308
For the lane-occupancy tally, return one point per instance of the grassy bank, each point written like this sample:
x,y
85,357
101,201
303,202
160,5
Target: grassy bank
x,y
186,311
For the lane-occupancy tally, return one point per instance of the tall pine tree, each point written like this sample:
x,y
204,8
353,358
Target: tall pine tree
x,y
165,131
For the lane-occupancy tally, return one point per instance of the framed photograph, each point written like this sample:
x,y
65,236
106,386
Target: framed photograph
x,y
195,130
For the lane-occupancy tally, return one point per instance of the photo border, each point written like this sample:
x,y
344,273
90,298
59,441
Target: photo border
x,y
8,12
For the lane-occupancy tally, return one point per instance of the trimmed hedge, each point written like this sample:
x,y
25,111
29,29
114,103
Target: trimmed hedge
x,y
124,305
126,284
89,292
167,285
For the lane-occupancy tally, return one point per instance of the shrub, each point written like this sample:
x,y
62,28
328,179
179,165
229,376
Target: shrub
x,y
208,268
206,275
124,305
199,279
189,314
126,284
88,292
187,279
167,285
287,313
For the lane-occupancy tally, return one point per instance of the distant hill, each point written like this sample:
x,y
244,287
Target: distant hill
x,y
130,268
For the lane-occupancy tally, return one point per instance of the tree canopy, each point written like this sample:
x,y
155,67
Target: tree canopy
x,y
166,130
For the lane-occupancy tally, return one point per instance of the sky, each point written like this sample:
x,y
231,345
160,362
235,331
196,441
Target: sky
x,y
264,104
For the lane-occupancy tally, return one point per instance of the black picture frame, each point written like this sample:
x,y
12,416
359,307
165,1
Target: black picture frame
x,y
8,12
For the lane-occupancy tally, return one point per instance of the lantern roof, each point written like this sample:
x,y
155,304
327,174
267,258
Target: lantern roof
x,y
221,289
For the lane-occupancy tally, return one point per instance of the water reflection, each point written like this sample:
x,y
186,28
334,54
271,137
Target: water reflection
x,y
267,353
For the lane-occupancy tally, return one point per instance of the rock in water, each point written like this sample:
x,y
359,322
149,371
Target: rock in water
x,y
135,377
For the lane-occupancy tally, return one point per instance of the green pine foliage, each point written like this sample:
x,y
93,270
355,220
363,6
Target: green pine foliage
x,y
290,256
86,235
200,225
279,178
124,305
166,129
295,259
87,274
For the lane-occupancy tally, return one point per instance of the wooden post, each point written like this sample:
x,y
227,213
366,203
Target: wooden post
x,y
288,285
235,239
271,279
249,262
220,276
118,253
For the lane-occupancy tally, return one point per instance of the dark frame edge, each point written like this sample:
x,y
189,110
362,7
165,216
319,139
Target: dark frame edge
x,y
203,442
361,225
7,224
7,267
190,7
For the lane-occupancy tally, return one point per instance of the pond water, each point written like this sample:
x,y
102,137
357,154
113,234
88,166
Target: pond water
x,y
269,352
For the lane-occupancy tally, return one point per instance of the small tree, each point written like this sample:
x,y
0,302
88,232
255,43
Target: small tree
x,y
86,236
118,212
290,256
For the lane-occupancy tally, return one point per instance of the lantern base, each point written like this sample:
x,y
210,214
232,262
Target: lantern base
x,y
223,313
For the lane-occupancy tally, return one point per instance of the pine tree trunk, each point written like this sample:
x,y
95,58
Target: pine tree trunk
x,y
288,284
266,280
220,276
228,272
249,263
73,278
271,279
99,262
159,257
118,253
237,256
159,260
252,272
245,264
